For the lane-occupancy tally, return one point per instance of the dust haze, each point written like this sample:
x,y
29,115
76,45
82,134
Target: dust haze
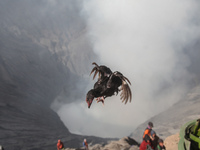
x,y
148,42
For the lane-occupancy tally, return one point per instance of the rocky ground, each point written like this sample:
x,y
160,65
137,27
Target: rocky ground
x,y
127,143
171,142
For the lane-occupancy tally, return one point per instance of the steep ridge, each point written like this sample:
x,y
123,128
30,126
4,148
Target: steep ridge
x,y
40,44
28,86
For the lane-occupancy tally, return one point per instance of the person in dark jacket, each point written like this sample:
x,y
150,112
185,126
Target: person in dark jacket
x,y
160,145
145,143
154,140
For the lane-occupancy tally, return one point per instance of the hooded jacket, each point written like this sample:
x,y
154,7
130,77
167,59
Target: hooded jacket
x,y
145,142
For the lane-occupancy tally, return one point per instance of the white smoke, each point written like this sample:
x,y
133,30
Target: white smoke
x,y
145,40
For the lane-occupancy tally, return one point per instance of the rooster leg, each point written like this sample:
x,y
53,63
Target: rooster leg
x,y
98,99
101,99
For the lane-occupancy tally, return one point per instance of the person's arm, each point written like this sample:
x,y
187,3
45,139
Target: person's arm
x,y
151,137
86,144
58,147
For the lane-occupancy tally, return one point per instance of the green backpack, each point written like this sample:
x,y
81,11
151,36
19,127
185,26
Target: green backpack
x,y
196,129
195,134
158,147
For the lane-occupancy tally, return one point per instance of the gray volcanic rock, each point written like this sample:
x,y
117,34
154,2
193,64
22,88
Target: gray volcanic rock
x,y
170,121
40,45
125,143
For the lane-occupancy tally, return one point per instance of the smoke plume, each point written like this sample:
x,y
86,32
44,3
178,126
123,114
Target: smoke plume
x,y
146,41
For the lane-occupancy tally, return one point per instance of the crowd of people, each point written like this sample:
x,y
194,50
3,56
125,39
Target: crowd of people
x,y
150,140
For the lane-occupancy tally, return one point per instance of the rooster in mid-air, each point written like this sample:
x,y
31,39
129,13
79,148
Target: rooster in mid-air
x,y
108,84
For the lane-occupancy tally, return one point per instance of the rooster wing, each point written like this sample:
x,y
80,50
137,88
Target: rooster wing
x,y
103,72
126,94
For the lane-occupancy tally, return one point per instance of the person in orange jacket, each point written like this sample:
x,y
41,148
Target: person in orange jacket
x,y
148,130
60,145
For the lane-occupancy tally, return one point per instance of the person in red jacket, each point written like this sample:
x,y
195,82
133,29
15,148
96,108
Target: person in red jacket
x,y
145,143
60,145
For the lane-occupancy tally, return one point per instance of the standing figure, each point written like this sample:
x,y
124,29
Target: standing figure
x,y
60,145
85,144
148,130
154,140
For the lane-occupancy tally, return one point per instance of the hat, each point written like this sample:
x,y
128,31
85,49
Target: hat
x,y
160,141
150,124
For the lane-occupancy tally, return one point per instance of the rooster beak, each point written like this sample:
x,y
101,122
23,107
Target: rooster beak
x,y
88,103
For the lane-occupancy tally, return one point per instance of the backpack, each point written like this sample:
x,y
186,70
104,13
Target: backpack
x,y
149,131
194,135
196,128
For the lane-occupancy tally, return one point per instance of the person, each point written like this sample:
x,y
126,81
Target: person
x,y
60,145
146,144
154,140
85,144
160,145
1,147
148,130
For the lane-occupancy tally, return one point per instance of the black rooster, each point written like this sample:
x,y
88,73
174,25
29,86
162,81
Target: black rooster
x,y
108,84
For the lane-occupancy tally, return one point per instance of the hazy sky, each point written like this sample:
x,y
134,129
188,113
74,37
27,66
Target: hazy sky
x,y
146,41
